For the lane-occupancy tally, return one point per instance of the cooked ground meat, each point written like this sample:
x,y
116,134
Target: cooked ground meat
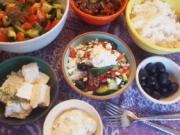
x,y
98,7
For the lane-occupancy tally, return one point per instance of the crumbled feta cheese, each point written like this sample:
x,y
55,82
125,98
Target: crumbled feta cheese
x,y
117,73
118,80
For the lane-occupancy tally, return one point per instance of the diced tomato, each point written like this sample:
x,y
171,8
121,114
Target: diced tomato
x,y
127,71
10,9
121,56
41,14
54,23
2,14
27,26
72,53
42,1
113,73
91,88
112,51
32,18
20,36
21,1
32,1
1,23
104,80
32,10
3,38
48,26
87,55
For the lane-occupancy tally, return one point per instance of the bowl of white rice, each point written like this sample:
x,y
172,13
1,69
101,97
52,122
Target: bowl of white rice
x,y
154,25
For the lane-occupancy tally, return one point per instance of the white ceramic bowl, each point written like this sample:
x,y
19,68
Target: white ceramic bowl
x,y
174,74
38,42
69,104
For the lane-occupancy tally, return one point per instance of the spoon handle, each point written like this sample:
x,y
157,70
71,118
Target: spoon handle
x,y
163,117
162,128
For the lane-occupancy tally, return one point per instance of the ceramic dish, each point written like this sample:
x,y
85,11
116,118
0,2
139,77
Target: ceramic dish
x,y
14,64
71,104
95,20
174,74
143,43
121,47
40,41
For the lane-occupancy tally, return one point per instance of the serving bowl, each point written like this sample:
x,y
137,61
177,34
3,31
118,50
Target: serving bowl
x,y
141,41
121,47
98,20
14,64
40,41
72,104
174,74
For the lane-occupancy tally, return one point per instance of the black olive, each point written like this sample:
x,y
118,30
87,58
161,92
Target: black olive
x,y
163,78
150,68
160,68
156,95
156,86
114,46
151,82
143,83
148,91
143,75
80,84
82,66
173,87
165,92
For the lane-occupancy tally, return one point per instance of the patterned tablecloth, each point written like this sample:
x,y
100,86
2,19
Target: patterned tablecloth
x,y
131,99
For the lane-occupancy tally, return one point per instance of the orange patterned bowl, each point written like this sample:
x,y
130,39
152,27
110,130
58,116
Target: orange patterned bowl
x,y
96,20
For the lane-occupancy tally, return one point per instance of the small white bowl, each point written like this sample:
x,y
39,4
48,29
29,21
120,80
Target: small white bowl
x,y
40,41
69,104
174,74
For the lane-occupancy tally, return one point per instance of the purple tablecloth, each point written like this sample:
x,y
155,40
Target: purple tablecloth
x,y
131,99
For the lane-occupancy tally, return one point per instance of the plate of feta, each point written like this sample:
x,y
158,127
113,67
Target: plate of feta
x,y
28,89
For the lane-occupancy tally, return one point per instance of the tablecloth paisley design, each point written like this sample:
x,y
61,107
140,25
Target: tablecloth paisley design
x,y
131,99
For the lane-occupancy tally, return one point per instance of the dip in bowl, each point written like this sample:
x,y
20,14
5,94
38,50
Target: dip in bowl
x,y
80,111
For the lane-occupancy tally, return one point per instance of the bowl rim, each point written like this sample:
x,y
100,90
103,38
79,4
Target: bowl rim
x,y
41,36
70,101
118,92
53,100
142,90
99,17
139,37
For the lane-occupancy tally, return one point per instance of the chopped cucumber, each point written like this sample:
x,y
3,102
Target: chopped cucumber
x,y
36,5
124,60
6,21
58,14
18,28
99,71
124,77
116,67
58,6
11,33
32,33
46,7
102,89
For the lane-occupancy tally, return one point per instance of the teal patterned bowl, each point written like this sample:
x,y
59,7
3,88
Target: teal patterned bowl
x,y
87,37
14,64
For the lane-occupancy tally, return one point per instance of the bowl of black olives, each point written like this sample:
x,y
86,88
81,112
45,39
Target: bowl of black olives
x,y
158,79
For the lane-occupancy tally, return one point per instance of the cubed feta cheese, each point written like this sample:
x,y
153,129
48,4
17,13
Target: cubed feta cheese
x,y
25,91
43,78
30,72
40,95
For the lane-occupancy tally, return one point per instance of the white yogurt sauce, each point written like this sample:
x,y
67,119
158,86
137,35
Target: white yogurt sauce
x,y
74,122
